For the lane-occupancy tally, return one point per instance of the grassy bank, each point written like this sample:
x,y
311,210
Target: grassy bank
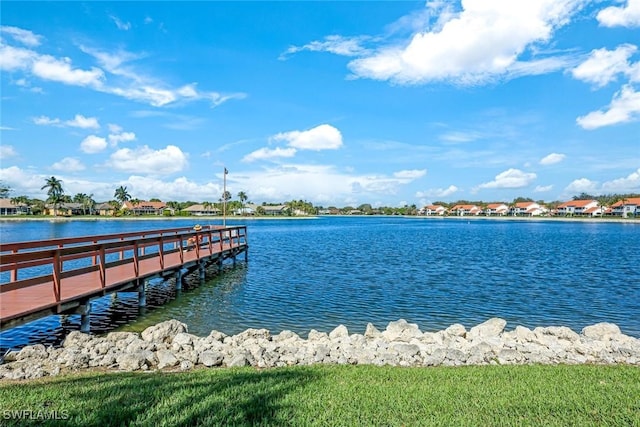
x,y
337,395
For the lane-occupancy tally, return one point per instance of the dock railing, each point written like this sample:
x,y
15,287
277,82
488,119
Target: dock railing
x,y
26,264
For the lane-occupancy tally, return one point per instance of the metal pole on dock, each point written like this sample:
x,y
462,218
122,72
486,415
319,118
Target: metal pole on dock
x,y
224,197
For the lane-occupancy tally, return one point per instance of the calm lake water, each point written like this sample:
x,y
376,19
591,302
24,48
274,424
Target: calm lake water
x,y
319,273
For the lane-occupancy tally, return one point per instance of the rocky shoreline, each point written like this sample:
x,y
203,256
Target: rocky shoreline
x,y
169,346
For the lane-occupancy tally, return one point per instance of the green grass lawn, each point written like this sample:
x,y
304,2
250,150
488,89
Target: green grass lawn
x,y
582,395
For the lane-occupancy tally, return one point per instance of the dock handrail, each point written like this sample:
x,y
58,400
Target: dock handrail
x,y
132,247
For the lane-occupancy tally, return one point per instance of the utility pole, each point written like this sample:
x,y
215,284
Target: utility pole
x,y
224,198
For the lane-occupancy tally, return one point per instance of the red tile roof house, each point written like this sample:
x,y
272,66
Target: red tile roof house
x,y
579,208
528,209
496,209
433,210
462,210
626,207
147,208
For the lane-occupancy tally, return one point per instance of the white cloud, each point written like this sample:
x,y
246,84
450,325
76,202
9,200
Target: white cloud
x,y
542,188
79,121
625,16
482,42
628,184
323,137
604,65
346,46
60,70
267,153
511,178
410,175
137,86
113,128
145,160
460,136
25,37
582,185
438,192
122,80
624,107
124,26
15,58
68,164
116,138
46,121
7,151
552,158
93,144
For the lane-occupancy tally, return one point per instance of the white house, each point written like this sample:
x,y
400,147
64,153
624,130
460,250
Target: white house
x,y
201,210
527,209
579,207
462,210
626,207
433,210
496,209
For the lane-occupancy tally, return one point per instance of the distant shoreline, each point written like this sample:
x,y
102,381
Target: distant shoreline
x,y
532,218
151,218
635,221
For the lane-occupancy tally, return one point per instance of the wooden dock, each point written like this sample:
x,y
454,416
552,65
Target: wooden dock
x,y
61,276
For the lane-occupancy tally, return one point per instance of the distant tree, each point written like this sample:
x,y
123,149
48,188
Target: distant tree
x,y
86,201
55,192
243,197
522,200
155,200
122,195
584,196
5,190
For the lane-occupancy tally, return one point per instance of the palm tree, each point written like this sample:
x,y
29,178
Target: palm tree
x,y
86,201
54,191
122,195
243,197
134,202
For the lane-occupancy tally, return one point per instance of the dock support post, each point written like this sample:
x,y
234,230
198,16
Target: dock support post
x,y
85,317
246,255
142,294
202,272
179,281
234,259
220,264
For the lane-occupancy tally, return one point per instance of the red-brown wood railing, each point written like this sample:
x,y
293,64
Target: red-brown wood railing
x,y
133,247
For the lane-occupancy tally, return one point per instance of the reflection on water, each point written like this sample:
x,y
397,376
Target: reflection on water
x,y
317,274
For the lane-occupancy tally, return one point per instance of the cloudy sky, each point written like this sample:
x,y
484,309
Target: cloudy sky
x,y
337,103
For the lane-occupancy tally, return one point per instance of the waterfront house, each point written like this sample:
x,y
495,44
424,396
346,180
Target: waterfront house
x,y
527,209
66,209
579,208
433,210
274,210
147,208
463,210
104,209
626,207
201,210
9,208
496,209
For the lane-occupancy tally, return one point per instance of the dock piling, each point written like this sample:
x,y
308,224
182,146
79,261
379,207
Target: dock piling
x,y
85,317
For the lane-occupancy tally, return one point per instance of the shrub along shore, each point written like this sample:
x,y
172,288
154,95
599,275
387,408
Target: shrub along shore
x,y
544,376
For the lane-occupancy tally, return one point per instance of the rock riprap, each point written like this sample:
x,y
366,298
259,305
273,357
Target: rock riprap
x,y
168,345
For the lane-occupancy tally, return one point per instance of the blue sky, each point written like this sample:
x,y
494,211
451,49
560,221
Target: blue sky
x,y
337,103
